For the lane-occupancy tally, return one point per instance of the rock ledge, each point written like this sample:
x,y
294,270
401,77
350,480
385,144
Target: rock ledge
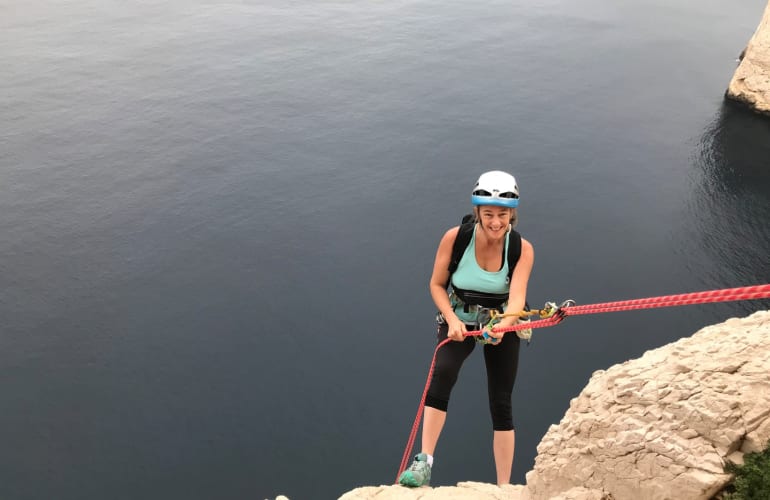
x,y
751,81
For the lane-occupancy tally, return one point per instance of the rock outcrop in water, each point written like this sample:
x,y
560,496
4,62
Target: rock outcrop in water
x,y
751,81
658,427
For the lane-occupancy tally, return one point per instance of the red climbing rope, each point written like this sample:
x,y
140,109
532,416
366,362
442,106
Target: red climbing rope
x,y
724,295
558,315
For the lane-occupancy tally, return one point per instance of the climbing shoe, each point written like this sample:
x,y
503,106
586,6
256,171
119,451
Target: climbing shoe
x,y
418,474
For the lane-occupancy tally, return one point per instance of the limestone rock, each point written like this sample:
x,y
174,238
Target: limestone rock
x,y
466,490
662,426
751,82
580,493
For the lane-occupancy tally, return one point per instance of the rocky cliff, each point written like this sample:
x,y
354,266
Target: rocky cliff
x,y
657,427
751,81
661,426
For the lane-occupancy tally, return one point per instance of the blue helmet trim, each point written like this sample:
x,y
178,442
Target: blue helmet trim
x,y
498,202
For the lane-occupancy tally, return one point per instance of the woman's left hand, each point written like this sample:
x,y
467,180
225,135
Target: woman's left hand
x,y
491,336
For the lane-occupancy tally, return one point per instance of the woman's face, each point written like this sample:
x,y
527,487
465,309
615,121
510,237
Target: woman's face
x,y
494,220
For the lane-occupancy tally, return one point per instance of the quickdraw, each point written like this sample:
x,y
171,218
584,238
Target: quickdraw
x,y
549,310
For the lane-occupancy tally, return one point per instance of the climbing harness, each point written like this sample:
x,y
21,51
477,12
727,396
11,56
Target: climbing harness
x,y
551,315
549,310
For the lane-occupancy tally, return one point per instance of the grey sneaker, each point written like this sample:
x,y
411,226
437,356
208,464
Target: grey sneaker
x,y
418,474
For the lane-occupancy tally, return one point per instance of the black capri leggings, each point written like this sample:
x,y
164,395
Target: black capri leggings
x,y
502,361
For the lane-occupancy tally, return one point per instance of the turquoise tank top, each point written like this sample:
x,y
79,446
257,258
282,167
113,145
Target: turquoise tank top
x,y
470,276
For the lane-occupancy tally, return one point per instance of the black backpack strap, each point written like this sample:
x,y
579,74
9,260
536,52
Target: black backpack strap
x,y
463,239
514,251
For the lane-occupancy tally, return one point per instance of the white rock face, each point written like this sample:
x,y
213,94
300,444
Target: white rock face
x,y
467,490
751,81
661,426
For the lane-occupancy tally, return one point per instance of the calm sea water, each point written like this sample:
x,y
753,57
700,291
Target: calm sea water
x,y
218,223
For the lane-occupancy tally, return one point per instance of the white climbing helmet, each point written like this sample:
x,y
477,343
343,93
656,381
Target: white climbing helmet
x,y
496,188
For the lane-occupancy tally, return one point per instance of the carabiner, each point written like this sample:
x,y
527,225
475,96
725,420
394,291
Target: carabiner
x,y
549,309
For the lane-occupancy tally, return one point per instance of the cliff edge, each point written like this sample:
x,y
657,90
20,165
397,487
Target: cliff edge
x,y
657,427
751,81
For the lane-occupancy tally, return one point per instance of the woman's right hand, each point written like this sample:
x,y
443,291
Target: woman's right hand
x,y
456,330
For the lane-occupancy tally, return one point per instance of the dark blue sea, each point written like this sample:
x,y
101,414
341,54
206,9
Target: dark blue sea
x,y
218,221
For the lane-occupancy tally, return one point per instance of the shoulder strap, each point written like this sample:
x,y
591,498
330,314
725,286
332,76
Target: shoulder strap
x,y
463,239
514,251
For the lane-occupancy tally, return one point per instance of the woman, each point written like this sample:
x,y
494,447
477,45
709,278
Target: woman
x,y
482,280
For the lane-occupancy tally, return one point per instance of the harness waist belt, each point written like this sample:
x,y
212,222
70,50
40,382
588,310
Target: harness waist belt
x,y
471,298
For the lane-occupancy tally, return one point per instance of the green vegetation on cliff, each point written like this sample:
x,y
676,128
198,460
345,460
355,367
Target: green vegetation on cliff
x,y
752,479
